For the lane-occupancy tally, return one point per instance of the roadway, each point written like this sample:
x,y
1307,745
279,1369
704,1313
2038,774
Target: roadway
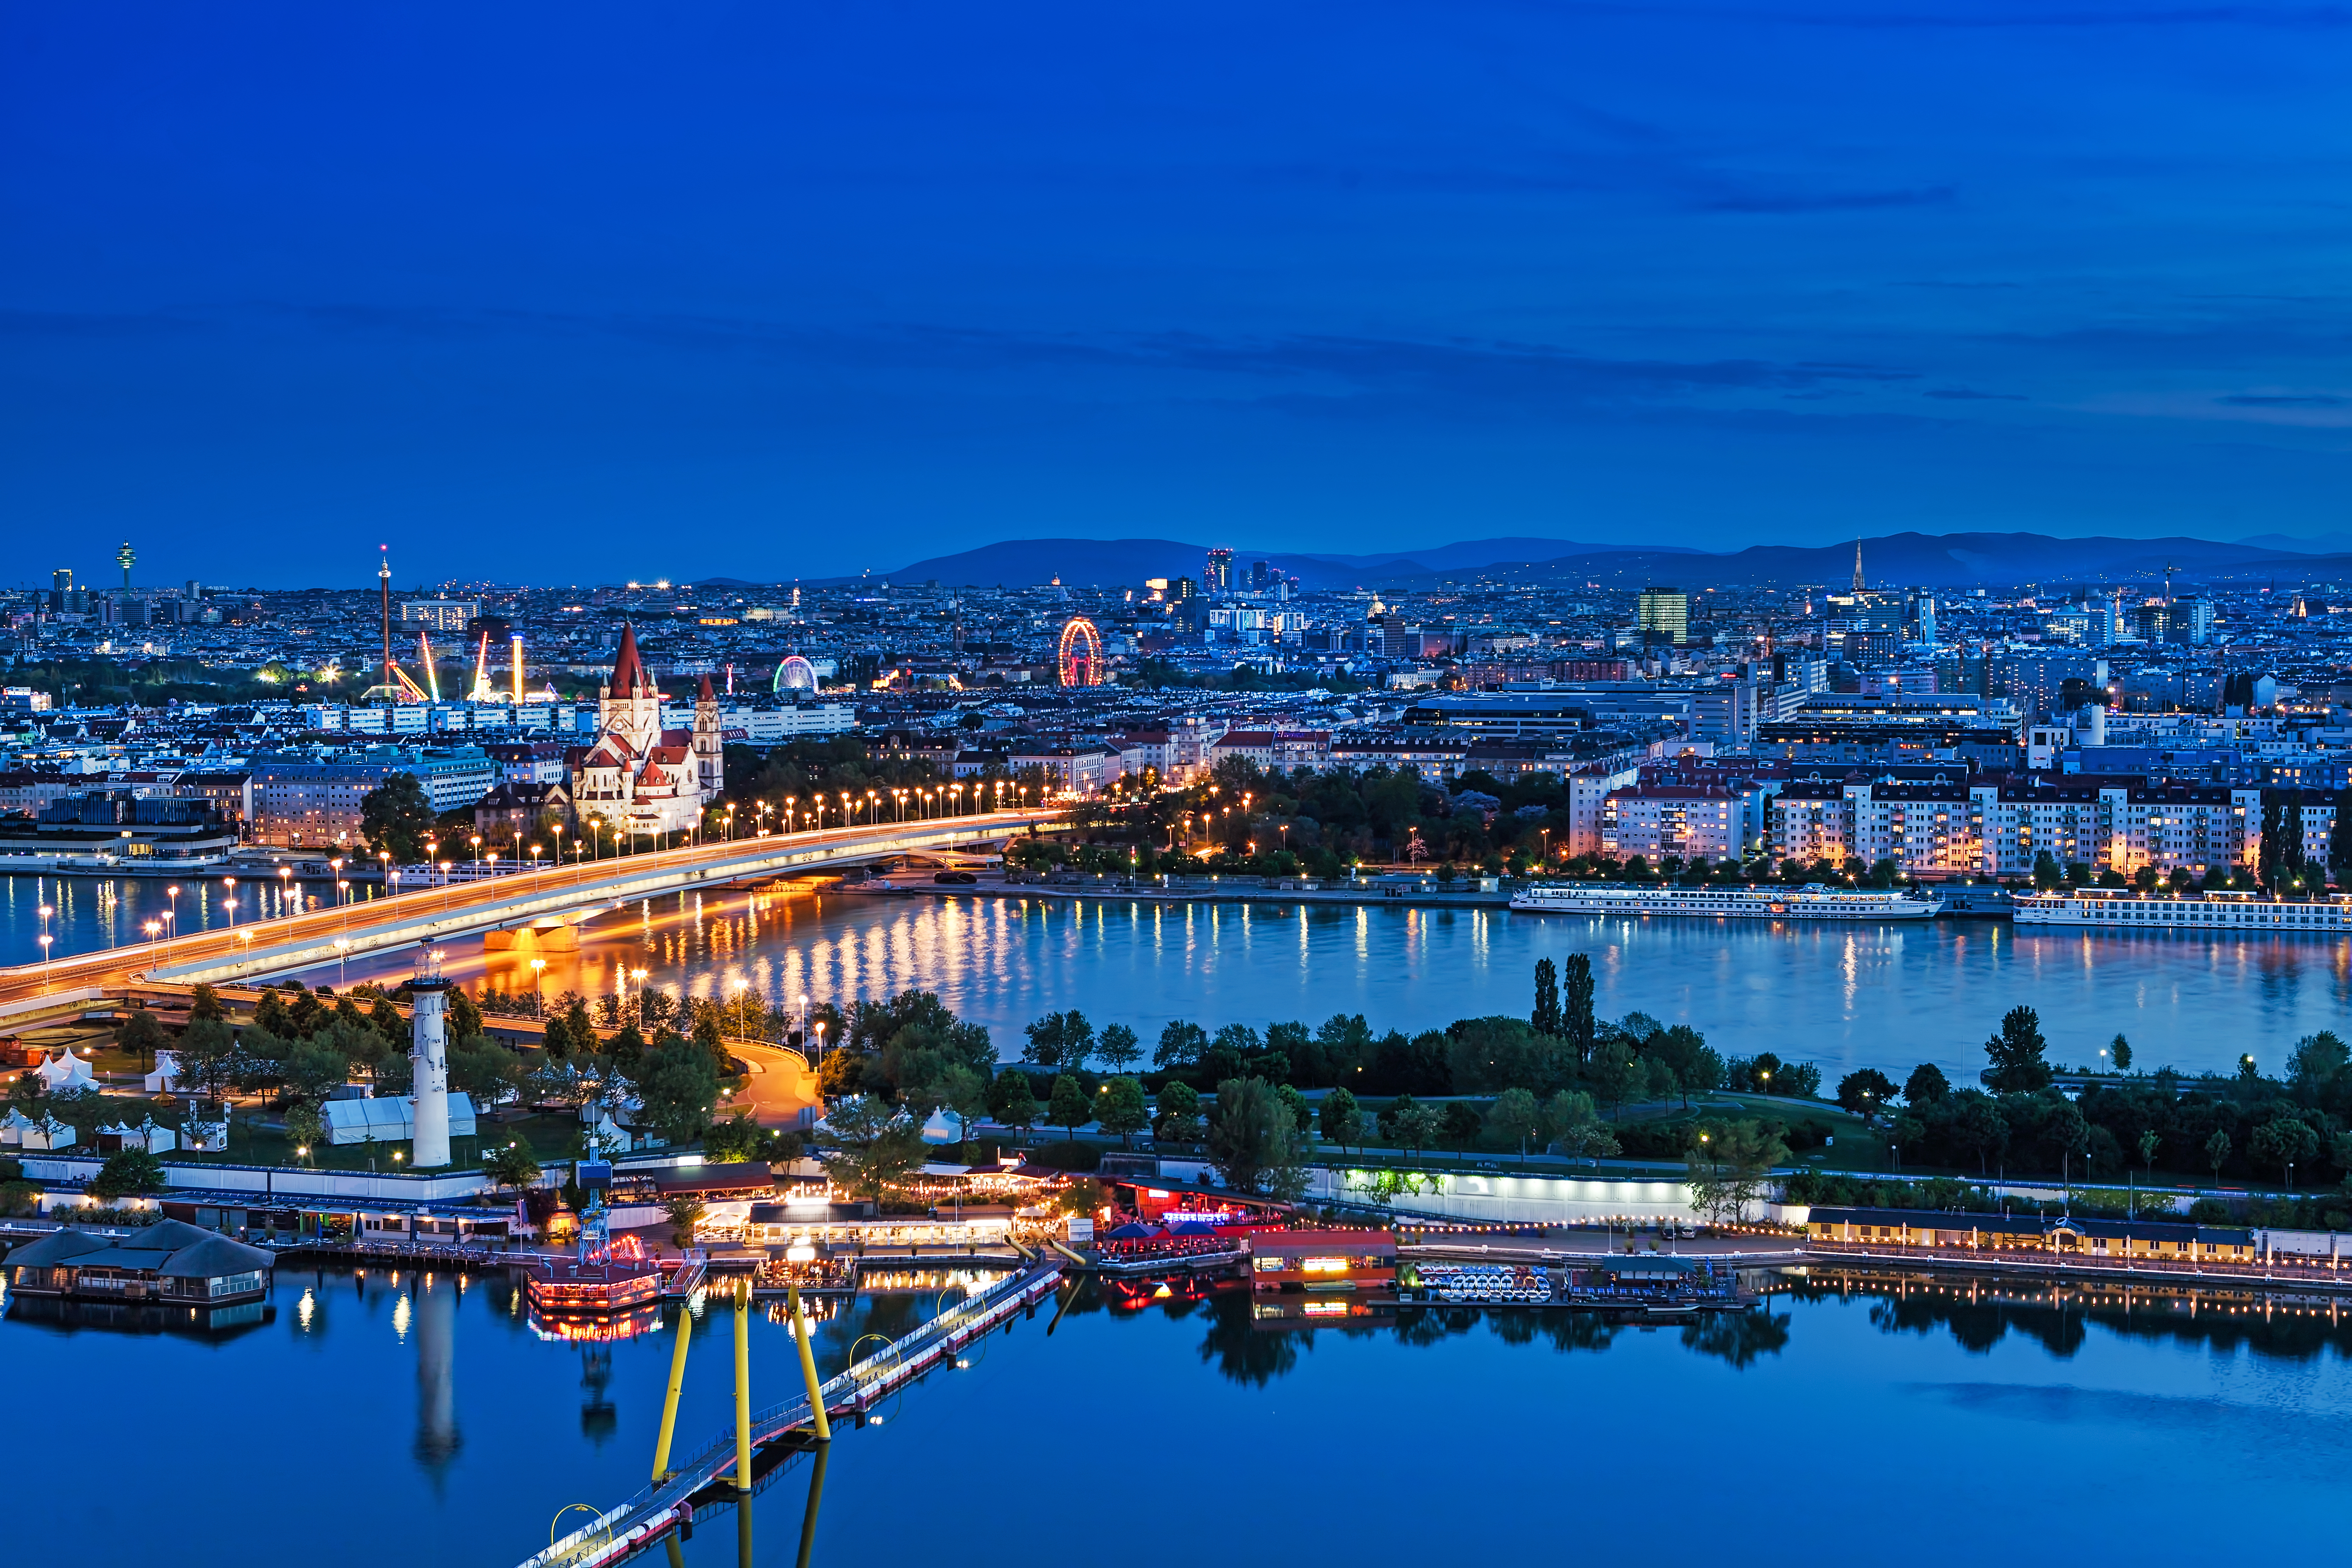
x,y
433,914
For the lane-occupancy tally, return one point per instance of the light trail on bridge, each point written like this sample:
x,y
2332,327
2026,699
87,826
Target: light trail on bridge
x,y
430,915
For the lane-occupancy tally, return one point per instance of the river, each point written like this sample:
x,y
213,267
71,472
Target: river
x,y
1841,995
383,1422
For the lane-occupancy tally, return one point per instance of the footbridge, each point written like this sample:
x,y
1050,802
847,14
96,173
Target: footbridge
x,y
555,895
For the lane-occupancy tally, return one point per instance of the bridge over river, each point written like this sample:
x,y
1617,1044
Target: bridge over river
x,y
555,895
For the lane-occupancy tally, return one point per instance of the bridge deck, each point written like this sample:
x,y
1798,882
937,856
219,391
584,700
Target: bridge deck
x,y
430,915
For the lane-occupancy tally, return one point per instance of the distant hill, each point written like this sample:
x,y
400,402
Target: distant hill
x,y
1108,563
1923,560
1937,561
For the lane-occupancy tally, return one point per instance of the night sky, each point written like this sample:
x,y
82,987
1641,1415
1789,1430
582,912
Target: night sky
x,y
587,293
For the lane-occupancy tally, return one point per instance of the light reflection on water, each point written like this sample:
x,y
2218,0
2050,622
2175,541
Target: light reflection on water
x,y
1844,997
1841,995
1491,1430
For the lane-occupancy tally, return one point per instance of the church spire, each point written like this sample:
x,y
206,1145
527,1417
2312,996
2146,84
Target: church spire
x,y
628,670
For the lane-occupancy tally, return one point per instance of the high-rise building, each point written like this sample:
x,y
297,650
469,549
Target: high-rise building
x,y
1261,577
440,615
1218,577
1665,610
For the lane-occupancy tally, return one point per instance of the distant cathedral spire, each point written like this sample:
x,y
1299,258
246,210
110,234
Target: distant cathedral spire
x,y
1857,565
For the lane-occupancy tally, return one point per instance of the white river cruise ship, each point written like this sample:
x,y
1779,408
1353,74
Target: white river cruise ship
x,y
1811,902
2110,909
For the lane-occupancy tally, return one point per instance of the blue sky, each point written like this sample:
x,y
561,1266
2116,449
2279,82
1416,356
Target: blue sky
x,y
589,292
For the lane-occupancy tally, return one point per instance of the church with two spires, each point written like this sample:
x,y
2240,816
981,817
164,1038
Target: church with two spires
x,y
637,777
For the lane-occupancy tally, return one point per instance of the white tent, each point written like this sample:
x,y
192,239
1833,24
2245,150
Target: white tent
x,y
164,1079
207,1136
12,1128
147,1135
69,1071
392,1119
49,1133
944,1127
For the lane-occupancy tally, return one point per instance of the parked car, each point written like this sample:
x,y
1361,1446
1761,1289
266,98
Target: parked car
x,y
965,878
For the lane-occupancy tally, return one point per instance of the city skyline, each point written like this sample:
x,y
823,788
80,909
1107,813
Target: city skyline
x,y
789,297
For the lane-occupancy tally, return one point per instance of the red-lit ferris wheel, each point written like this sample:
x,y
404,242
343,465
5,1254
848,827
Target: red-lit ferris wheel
x,y
1081,653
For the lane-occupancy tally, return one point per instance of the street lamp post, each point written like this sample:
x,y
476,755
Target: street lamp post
x,y
229,902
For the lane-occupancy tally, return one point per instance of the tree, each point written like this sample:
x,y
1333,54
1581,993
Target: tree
x,y
1011,1099
1180,1045
877,1148
1120,1108
1547,1018
1343,1121
2149,1142
2119,1050
1978,1127
2047,872
1253,1139
733,1141
1302,1115
131,1172
2016,1053
1513,1117
1118,1047
511,1164
2284,1141
1059,1039
686,1211
2315,1063
708,1033
396,815
677,1088
1926,1086
1729,1167
270,1014
1571,1124
205,1005
1462,1123
207,1058
2217,1152
141,1032
571,1031
1865,1093
1180,1112
1413,1125
1575,1007
2272,849
1067,1107
481,1067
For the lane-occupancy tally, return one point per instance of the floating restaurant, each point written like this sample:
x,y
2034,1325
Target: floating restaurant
x,y
169,1261
2155,1240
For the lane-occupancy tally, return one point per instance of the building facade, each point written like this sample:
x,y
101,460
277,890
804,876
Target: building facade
x,y
636,777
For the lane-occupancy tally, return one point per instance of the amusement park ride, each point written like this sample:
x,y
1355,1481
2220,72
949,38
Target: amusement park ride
x,y
1081,653
399,687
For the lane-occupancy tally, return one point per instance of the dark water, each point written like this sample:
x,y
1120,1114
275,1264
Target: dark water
x,y
1843,996
369,1422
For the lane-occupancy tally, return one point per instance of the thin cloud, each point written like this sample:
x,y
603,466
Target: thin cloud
x,y
2284,400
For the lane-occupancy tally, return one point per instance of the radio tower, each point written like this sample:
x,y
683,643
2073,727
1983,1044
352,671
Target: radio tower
x,y
383,591
1857,565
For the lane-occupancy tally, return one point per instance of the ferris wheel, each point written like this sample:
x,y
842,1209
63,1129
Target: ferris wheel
x,y
1081,654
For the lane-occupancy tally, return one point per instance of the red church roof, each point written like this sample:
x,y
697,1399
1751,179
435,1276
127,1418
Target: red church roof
x,y
629,677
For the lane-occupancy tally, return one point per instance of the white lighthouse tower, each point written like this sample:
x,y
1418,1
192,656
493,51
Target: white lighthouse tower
x,y
428,1061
